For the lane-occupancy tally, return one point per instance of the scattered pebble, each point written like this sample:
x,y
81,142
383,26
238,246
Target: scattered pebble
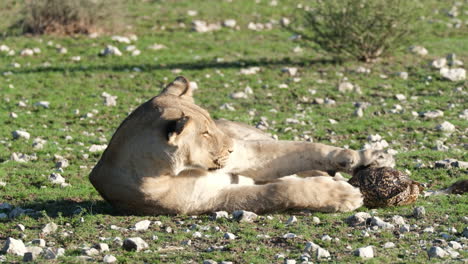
x,y
419,212
365,252
49,228
142,225
418,50
134,244
437,252
109,259
14,246
110,50
446,127
18,134
454,74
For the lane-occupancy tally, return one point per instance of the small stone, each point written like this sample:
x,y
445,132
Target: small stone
x,y
220,214
109,100
389,245
230,23
402,75
289,235
110,50
429,229
244,216
345,87
14,246
40,242
405,228
91,252
365,252
454,245
358,219
142,225
376,221
439,63
436,252
291,71
62,163
446,127
49,228
209,261
109,259
322,253
419,212
102,247
418,50
315,220
432,114
134,244
52,253
229,236
398,220
291,220
17,134
400,97
358,112
56,178
97,148
239,95
326,238
289,261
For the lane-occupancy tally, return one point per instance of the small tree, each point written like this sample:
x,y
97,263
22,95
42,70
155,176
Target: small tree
x,y
68,16
363,29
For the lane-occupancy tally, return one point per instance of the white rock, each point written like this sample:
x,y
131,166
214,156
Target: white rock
x,y
14,246
229,236
292,71
76,58
376,221
419,212
398,220
311,247
358,219
121,39
49,228
40,242
285,21
157,46
97,148
446,127
220,214
202,26
239,95
454,245
27,52
365,252
20,157
227,106
400,97
389,245
315,220
110,50
52,253
136,52
439,63
289,235
91,252
17,134
419,50
322,253
134,244
109,100
291,220
405,228
38,143
345,87
402,75
56,178
454,74
4,48
436,252
32,253
109,259
250,70
197,235
432,114
326,238
43,104
429,229
142,225
230,23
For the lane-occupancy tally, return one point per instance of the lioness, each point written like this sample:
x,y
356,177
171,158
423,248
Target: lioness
x,y
170,157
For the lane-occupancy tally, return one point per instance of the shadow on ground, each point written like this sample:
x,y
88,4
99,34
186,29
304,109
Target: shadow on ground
x,y
199,65
70,207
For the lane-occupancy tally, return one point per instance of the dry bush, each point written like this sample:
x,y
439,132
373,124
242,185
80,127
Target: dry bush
x,y
69,16
363,29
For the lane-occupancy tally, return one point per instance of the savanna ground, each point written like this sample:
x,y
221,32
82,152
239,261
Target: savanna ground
x,y
214,60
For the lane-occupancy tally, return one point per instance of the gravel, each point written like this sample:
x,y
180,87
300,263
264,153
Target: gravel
x,y
437,252
244,216
358,219
142,225
20,134
49,228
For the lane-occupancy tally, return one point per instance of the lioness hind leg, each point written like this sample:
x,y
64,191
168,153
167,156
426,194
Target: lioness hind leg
x,y
322,194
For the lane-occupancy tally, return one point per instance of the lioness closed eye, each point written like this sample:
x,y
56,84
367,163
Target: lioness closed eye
x,y
170,157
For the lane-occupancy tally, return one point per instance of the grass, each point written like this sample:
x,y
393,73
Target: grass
x,y
214,60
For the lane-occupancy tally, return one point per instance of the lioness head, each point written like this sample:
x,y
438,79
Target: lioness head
x,y
191,135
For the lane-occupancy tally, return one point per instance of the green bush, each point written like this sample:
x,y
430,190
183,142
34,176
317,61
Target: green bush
x,y
363,29
68,16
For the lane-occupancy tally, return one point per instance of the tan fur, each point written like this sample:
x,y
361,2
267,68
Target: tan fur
x,y
170,157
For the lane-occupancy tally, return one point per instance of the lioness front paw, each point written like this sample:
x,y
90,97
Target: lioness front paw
x,y
349,197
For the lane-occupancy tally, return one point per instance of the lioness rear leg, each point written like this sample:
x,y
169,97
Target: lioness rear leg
x,y
322,194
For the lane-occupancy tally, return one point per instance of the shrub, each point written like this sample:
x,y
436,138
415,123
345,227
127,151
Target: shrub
x,y
363,29
68,16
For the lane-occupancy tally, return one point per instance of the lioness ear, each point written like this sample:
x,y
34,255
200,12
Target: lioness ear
x,y
179,87
176,128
